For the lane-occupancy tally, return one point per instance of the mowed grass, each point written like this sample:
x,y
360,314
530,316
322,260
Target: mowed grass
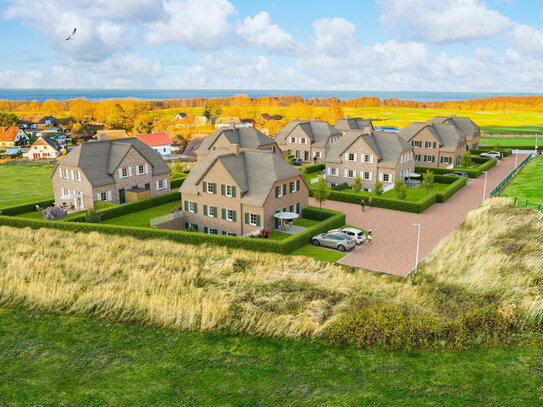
x,y
57,360
504,142
142,218
528,183
319,253
25,182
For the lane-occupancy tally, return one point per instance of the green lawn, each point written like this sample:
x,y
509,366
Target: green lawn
x,y
142,218
25,182
305,223
39,215
56,360
528,184
319,253
275,235
504,142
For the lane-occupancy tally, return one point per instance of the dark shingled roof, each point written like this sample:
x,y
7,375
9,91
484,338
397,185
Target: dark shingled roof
x,y
255,172
354,123
51,142
246,137
319,132
99,159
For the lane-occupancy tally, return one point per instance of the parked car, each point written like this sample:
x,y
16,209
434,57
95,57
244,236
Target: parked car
x,y
496,152
338,241
356,234
457,174
490,154
296,161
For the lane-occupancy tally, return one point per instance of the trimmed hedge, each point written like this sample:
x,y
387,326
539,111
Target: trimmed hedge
x,y
493,147
483,164
177,182
506,151
27,207
314,168
453,188
131,207
331,220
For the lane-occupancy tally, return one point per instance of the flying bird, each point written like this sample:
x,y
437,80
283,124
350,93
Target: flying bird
x,y
71,37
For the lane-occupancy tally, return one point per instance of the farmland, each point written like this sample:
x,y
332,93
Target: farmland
x,y
24,182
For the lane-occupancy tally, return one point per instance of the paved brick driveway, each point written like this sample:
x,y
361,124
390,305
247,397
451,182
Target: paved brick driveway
x,y
393,249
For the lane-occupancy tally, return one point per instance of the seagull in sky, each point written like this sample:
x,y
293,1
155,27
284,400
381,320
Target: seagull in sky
x,y
71,37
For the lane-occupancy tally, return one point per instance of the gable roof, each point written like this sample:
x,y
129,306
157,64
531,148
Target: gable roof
x,y
246,137
160,138
8,134
266,116
446,134
32,119
50,141
319,132
464,124
99,159
254,171
226,120
386,145
112,134
194,144
354,123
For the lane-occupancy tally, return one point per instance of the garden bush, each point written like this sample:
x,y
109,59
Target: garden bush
x,y
27,207
177,182
313,168
341,187
54,213
99,205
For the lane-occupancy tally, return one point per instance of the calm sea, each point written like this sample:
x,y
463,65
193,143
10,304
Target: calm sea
x,y
42,95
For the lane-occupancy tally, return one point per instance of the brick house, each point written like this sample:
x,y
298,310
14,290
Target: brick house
x,y
437,144
246,138
239,191
43,147
116,171
377,155
307,139
12,136
354,123
466,126
159,141
102,135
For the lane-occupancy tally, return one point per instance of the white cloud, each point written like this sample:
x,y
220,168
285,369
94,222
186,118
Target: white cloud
x,y
14,79
527,40
199,24
443,21
334,36
260,32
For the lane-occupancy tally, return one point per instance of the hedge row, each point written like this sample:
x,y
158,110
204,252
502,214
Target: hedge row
x,y
506,151
493,147
483,164
332,221
308,169
385,203
131,207
27,207
453,188
177,182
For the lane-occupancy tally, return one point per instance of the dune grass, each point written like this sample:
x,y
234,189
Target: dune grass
x,y
58,360
22,182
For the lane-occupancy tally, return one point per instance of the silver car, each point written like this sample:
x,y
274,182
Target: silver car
x,y
337,241
491,154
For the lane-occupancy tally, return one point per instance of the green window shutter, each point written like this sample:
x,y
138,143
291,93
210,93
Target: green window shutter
x,y
204,186
257,220
195,227
246,218
215,212
214,188
284,189
234,215
205,210
195,208
222,189
223,213
291,187
298,208
224,232
297,185
277,191
186,206
233,191
291,208
205,229
233,234
186,225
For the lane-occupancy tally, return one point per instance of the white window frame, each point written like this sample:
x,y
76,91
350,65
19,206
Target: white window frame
x,y
124,172
386,177
368,158
303,140
228,190
351,173
192,207
293,139
103,196
210,211
353,157
209,188
367,175
229,215
251,215
142,168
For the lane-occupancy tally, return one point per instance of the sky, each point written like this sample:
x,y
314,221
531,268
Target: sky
x,y
394,45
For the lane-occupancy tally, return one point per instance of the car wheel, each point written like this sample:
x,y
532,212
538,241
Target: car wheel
x,y
316,243
341,248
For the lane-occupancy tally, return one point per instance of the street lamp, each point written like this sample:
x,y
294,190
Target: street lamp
x,y
484,188
418,244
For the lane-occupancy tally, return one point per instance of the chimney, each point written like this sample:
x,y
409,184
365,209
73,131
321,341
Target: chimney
x,y
367,129
347,117
101,137
429,121
235,148
313,119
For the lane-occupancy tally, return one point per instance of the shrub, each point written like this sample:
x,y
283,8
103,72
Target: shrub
x,y
465,160
402,194
92,216
398,183
54,213
314,168
99,205
357,184
378,188
341,187
27,207
177,182
428,181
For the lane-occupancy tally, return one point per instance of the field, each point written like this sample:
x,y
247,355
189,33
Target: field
x,y
527,184
503,142
24,182
56,360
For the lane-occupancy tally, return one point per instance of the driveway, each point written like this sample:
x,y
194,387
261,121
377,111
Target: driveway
x,y
394,245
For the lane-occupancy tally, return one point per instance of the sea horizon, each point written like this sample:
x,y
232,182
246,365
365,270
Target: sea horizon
x,y
43,94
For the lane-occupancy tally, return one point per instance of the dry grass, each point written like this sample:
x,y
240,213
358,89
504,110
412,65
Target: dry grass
x,y
201,288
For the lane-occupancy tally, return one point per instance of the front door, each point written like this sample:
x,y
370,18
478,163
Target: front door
x,y
147,186
122,198
306,155
297,153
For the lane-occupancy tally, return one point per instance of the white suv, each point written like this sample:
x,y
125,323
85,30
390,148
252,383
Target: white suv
x,y
490,154
356,234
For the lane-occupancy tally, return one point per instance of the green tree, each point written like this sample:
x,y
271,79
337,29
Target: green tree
x,y
321,191
402,194
211,110
428,181
141,124
465,160
117,117
8,119
398,183
378,188
357,184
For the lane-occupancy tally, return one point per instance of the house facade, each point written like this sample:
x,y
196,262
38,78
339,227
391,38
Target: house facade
x,y
307,139
114,171
465,125
377,155
246,138
437,144
238,192
159,141
102,135
43,147
12,136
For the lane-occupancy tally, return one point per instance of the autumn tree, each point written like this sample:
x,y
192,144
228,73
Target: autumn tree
x,y
333,113
8,119
211,110
81,110
116,118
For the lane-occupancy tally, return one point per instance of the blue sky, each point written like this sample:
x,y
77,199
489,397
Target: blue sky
x,y
452,45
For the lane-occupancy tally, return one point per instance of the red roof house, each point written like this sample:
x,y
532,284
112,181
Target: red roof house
x,y
159,141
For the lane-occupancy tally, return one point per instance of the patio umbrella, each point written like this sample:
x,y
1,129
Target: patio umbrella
x,y
71,196
286,216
